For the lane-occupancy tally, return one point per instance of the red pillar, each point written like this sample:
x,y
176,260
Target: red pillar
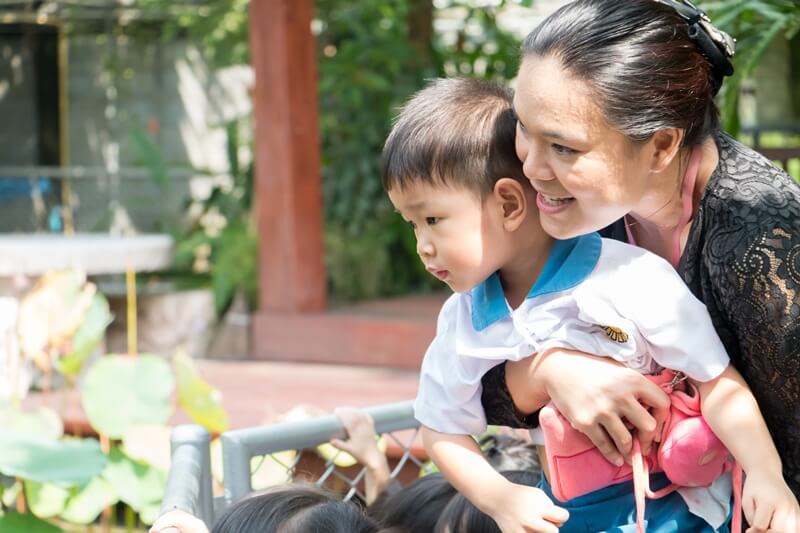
x,y
287,158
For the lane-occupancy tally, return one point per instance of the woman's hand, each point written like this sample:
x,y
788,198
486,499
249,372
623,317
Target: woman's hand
x,y
599,397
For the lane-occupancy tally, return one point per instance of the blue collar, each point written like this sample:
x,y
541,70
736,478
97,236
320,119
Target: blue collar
x,y
568,264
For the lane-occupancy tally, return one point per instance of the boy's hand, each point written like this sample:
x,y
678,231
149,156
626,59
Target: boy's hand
x,y
178,521
527,510
769,505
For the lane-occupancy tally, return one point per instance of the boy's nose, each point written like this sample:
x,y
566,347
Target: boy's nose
x,y
425,248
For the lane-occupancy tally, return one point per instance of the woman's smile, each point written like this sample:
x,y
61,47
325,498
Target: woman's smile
x,y
551,205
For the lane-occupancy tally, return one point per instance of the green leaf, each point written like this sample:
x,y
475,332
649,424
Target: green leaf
x,y
45,499
66,463
87,338
86,505
200,400
137,484
149,443
122,391
150,513
27,523
42,422
149,155
10,492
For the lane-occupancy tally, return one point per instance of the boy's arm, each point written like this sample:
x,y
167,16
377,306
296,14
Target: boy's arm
x,y
732,412
514,507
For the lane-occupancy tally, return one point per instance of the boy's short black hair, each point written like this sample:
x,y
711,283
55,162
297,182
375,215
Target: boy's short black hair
x,y
457,131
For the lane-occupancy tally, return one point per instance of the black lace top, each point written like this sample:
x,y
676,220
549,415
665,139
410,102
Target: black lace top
x,y
742,259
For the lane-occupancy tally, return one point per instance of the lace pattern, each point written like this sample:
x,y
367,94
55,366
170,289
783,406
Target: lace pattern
x,y
742,259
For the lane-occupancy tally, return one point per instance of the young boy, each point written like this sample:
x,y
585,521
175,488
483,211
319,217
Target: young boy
x,y
451,171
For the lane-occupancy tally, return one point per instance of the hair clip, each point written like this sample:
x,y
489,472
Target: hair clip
x,y
717,45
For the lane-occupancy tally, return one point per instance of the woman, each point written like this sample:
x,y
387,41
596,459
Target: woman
x,y
618,129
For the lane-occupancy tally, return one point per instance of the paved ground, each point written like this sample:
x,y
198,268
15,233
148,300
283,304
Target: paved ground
x,y
257,392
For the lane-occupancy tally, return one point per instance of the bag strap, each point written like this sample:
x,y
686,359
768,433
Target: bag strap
x,y
641,489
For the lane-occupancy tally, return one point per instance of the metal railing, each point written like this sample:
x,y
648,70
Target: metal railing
x,y
189,484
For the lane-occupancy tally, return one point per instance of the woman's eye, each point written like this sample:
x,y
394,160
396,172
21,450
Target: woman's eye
x,y
431,221
563,150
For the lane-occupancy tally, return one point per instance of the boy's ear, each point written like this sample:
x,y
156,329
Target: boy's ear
x,y
510,196
666,143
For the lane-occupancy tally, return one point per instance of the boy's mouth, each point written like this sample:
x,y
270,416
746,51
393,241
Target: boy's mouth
x,y
441,274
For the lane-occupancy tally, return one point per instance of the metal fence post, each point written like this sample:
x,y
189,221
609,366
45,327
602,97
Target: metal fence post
x,y
236,466
189,482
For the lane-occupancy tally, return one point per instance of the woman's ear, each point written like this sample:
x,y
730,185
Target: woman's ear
x,y
509,194
666,144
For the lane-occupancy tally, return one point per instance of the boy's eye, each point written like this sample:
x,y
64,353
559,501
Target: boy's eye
x,y
431,221
563,150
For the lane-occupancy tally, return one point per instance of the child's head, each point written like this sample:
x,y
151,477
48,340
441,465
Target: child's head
x,y
450,169
505,453
415,507
294,509
456,132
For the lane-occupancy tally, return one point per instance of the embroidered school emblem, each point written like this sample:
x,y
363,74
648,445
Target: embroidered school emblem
x,y
614,333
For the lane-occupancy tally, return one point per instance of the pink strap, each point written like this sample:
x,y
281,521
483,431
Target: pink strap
x,y
687,190
736,521
641,489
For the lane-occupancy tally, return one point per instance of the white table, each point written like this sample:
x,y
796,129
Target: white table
x,y
94,253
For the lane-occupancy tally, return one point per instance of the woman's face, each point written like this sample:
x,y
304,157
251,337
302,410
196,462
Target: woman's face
x,y
586,173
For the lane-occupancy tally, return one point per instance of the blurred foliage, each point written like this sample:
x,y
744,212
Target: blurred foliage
x,y
755,24
127,397
216,242
372,55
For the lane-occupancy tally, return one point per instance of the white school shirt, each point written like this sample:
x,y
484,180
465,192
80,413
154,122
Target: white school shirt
x,y
594,295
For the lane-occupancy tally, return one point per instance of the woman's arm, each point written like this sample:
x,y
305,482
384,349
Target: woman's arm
x,y
515,508
594,393
732,412
751,290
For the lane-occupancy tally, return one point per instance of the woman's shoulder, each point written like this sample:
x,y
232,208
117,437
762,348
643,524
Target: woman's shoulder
x,y
748,199
750,212
745,178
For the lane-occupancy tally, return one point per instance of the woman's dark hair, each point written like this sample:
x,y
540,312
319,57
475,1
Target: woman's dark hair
x,y
416,507
460,516
294,509
640,61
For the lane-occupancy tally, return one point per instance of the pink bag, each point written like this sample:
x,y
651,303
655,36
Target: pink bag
x,y
689,453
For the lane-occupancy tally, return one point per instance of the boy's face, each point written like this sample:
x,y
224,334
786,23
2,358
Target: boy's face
x,y
458,237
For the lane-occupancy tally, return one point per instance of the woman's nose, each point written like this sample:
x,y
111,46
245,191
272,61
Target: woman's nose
x,y
534,165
